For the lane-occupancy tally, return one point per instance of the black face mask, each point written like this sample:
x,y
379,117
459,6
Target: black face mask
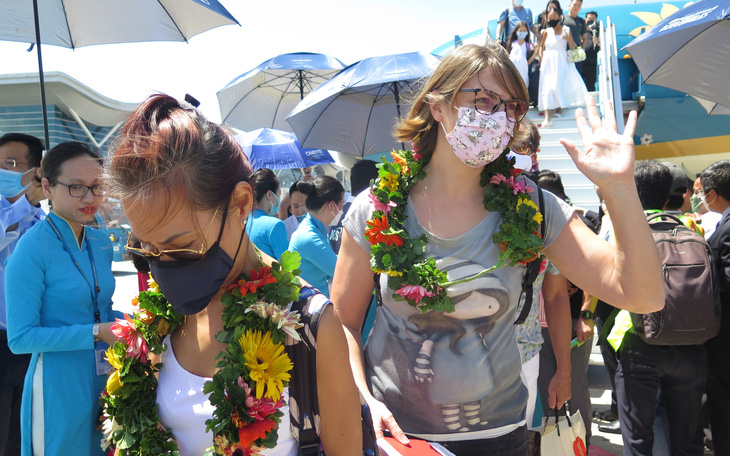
x,y
553,22
189,285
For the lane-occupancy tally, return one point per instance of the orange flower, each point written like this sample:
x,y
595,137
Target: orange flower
x,y
258,279
250,432
399,160
375,233
146,317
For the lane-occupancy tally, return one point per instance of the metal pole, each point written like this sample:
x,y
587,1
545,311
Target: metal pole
x,y
396,92
40,70
301,85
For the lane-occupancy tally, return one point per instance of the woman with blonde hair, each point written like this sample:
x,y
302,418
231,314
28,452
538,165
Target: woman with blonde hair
x,y
447,229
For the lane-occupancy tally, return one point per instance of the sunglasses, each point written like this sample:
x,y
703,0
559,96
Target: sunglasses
x,y
488,102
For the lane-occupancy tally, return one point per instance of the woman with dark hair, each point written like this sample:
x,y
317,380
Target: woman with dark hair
x,y
265,230
454,211
561,85
59,286
325,199
298,209
184,184
521,50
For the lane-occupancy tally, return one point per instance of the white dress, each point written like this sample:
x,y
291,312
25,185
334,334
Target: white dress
x,y
561,85
183,408
518,55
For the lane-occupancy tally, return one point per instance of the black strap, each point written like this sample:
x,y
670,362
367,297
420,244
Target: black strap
x,y
533,267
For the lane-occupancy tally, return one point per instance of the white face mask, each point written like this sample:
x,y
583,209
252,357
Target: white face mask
x,y
522,35
523,162
337,218
518,3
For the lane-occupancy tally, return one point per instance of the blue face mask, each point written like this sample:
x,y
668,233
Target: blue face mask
x,y
10,185
274,209
522,35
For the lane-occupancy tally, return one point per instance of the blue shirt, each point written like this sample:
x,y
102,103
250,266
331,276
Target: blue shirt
x,y
25,215
50,313
267,233
515,16
318,258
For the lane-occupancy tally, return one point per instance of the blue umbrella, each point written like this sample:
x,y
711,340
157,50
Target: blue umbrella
x,y
689,51
355,111
276,149
264,96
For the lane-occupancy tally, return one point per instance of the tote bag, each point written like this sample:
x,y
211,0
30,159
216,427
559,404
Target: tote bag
x,y
564,435
576,55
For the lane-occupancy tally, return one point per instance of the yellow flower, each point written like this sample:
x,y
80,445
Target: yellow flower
x,y
269,366
113,383
528,202
390,181
389,272
152,285
113,358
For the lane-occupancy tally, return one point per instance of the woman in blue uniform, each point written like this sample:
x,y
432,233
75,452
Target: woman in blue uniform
x,y
325,198
266,231
59,286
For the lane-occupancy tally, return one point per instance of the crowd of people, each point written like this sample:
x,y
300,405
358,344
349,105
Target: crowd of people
x,y
542,48
425,259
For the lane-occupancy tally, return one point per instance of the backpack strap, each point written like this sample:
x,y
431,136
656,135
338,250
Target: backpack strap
x,y
533,267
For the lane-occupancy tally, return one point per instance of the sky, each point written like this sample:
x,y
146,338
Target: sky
x,y
344,29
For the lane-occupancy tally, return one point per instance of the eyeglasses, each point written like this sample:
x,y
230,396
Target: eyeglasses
x,y
11,162
79,191
150,251
488,102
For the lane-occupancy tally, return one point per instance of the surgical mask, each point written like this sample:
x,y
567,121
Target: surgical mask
x,y
523,162
522,35
337,218
518,3
553,22
478,139
274,209
10,185
697,201
189,285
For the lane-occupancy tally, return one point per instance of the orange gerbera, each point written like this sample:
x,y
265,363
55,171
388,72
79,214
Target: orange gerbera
x,y
259,278
376,233
251,432
400,160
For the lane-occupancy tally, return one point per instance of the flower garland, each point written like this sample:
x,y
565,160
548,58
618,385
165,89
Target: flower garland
x,y
251,373
415,278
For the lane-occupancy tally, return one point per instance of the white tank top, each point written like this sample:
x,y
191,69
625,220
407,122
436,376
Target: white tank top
x,y
183,408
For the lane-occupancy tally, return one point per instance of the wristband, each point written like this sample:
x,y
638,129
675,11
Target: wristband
x,y
587,315
95,332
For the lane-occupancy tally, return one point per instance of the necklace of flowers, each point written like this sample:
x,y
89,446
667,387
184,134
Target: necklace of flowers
x,y
251,373
415,278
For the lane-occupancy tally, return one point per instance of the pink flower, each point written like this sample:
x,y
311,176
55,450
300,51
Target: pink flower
x,y
416,155
125,331
414,292
384,208
520,186
497,179
259,409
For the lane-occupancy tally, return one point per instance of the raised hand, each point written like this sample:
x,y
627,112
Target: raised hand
x,y
607,158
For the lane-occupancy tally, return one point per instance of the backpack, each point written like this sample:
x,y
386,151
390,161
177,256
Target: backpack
x,y
691,313
303,401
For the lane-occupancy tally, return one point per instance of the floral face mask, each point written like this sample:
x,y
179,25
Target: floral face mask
x,y
478,139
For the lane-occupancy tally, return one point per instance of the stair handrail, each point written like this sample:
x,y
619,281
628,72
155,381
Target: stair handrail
x,y
609,87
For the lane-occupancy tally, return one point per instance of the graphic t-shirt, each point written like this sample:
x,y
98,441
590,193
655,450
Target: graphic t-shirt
x,y
452,376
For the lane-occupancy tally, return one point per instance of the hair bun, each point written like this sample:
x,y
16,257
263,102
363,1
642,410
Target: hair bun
x,y
305,187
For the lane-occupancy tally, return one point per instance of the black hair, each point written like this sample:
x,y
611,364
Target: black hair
x,y
294,188
362,172
717,177
55,158
263,180
653,182
593,13
513,35
35,146
321,191
547,10
551,181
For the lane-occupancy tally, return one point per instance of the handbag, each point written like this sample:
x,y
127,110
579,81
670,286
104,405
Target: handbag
x,y
576,55
564,436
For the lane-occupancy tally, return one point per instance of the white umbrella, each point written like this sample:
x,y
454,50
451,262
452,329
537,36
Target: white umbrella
x,y
77,23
